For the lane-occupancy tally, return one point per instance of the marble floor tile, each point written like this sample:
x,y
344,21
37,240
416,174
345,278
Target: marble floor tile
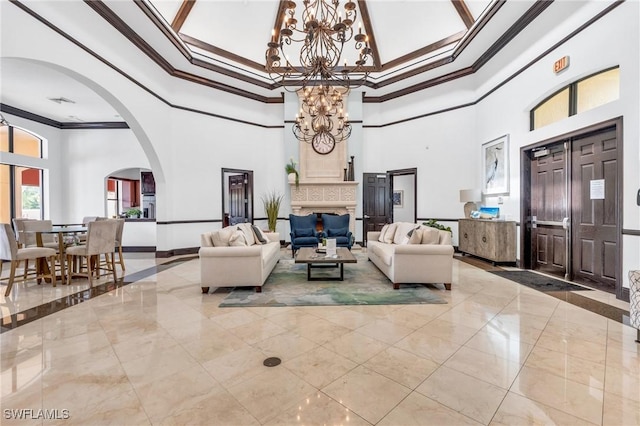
x,y
501,345
356,347
620,382
380,397
489,368
417,410
434,348
319,367
518,410
285,345
237,366
462,393
620,411
573,398
385,331
401,366
572,368
318,408
273,391
443,329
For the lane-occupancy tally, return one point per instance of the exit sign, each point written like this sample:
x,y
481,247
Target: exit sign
x,y
561,64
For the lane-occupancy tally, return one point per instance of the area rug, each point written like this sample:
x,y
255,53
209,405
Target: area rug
x,y
538,281
363,284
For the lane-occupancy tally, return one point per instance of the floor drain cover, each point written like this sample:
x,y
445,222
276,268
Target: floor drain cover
x,y
272,362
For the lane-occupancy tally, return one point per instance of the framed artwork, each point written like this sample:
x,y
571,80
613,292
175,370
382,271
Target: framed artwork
x,y
398,198
495,166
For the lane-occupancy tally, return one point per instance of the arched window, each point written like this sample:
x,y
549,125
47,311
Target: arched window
x,y
582,95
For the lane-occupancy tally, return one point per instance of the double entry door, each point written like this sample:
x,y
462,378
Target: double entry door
x,y
574,209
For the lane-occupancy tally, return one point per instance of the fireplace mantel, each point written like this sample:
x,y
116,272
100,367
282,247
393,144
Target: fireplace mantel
x,y
337,197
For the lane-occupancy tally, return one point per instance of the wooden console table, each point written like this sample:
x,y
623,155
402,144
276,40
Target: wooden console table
x,y
494,240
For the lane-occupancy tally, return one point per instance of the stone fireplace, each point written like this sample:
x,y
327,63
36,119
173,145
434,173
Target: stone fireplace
x,y
325,197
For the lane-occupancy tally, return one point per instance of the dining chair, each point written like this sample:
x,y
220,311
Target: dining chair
x,y
32,227
101,240
119,230
10,252
18,228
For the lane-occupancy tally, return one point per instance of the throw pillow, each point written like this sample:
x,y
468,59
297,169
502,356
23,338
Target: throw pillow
x,y
304,232
383,231
340,232
416,236
402,230
260,237
430,235
391,232
237,239
221,237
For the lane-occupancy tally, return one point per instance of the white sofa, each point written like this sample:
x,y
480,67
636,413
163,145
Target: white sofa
x,y
248,265
426,258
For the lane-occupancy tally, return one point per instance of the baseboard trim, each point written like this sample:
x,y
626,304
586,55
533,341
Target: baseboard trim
x,y
177,252
626,294
139,249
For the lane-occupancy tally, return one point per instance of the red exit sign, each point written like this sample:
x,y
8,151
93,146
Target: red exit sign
x,y
561,64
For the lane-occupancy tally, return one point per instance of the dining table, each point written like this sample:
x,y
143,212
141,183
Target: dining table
x,y
67,235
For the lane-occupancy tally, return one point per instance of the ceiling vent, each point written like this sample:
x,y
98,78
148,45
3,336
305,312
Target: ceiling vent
x,y
60,100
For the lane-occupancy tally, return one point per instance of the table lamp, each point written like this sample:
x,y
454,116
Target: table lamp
x,y
469,197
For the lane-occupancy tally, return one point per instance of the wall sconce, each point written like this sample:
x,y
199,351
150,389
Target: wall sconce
x,y
470,197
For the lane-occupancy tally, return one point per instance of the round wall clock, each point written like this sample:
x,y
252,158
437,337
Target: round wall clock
x,y
323,143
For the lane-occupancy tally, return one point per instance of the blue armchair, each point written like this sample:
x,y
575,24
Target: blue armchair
x,y
337,226
303,232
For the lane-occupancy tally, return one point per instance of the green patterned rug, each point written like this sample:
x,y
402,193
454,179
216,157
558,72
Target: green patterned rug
x,y
363,284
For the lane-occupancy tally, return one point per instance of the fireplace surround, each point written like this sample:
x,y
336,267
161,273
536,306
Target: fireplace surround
x,y
325,197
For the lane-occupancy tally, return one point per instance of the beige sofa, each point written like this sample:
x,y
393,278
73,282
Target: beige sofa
x,y
227,262
424,256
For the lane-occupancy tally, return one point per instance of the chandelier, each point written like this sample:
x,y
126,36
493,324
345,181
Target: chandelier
x,y
322,31
322,121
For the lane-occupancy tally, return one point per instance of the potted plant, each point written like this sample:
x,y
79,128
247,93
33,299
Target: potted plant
x,y
292,173
134,212
272,203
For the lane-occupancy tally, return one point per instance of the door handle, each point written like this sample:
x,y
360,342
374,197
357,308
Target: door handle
x,y
366,216
565,223
534,221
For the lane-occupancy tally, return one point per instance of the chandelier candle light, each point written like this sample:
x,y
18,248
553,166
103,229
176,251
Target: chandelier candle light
x,y
322,32
323,105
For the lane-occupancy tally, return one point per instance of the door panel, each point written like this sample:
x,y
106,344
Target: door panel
x,y
376,201
237,199
549,206
595,221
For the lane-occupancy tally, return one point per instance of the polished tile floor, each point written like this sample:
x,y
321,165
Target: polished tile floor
x,y
157,351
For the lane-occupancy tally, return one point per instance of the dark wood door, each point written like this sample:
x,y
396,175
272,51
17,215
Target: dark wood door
x,y
238,199
376,202
549,208
595,202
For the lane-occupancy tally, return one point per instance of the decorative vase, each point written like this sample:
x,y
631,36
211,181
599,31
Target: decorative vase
x,y
352,176
292,177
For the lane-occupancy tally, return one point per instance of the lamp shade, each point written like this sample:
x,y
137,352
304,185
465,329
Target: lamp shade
x,y
472,195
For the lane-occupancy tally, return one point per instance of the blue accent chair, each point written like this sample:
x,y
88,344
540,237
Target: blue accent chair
x,y
337,226
303,232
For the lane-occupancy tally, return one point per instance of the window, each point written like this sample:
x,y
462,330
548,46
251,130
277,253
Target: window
x,y
583,95
122,194
20,187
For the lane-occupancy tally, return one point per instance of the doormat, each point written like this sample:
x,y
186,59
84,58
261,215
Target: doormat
x,y
363,284
539,282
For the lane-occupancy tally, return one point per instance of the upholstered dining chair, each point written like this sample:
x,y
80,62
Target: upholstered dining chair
x,y
119,231
10,252
31,227
101,240
18,228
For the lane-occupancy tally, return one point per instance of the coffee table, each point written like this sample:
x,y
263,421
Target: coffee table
x,y
313,259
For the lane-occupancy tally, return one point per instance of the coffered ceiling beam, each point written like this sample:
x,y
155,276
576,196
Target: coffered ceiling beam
x,y
182,14
464,12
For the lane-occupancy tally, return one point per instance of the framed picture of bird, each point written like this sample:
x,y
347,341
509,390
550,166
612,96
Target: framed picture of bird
x,y
495,166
